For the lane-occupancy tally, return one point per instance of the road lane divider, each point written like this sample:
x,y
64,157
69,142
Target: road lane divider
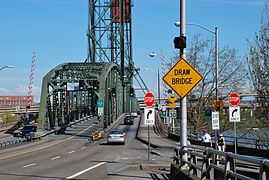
x,y
29,165
57,157
98,171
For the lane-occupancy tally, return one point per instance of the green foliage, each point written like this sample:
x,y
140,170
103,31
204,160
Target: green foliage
x,y
7,117
201,55
258,63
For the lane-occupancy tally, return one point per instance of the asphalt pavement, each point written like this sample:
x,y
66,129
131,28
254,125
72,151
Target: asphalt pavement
x,y
161,153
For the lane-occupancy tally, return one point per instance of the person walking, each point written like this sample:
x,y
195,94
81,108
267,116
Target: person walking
x,y
221,143
206,139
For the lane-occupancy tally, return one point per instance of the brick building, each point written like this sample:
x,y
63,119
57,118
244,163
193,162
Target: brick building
x,y
13,101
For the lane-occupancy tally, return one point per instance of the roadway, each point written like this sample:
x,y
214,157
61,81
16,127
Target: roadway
x,y
61,156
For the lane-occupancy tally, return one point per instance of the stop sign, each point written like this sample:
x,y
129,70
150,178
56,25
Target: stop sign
x,y
149,99
234,99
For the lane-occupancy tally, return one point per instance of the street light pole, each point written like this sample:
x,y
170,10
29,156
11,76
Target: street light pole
x,y
217,59
158,75
215,32
158,81
6,67
183,124
159,100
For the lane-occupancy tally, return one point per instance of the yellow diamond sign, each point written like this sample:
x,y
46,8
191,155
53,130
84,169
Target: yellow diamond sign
x,y
182,77
172,98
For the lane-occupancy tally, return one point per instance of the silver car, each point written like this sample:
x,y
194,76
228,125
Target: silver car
x,y
116,136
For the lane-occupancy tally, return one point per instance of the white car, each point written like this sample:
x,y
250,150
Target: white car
x,y
116,136
134,114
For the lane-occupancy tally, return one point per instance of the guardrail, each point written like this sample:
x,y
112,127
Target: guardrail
x,y
22,110
15,141
60,130
234,165
241,141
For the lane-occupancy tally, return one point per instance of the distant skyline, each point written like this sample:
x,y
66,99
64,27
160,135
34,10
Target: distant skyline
x,y
56,31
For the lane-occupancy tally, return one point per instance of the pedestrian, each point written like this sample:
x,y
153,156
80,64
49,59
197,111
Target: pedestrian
x,y
206,139
221,142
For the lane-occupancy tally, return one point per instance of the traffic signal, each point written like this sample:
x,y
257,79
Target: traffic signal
x,y
131,92
218,105
95,85
90,93
81,85
180,42
113,92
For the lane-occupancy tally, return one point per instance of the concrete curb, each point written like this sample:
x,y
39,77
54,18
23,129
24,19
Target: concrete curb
x,y
142,140
114,123
151,167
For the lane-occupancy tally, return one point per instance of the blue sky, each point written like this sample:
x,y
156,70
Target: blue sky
x,y
56,31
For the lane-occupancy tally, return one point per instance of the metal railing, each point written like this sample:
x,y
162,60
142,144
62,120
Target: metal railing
x,y
204,162
7,142
241,141
13,142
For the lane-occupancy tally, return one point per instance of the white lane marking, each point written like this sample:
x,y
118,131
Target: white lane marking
x,y
85,170
138,157
153,159
46,146
71,152
57,157
29,165
83,148
125,158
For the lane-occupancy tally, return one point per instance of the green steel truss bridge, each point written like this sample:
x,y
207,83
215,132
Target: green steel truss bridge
x,y
71,90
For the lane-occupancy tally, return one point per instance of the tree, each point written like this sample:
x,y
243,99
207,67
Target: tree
x,y
257,60
7,117
201,55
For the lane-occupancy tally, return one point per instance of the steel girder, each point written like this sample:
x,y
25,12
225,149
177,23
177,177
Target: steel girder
x,y
109,31
60,104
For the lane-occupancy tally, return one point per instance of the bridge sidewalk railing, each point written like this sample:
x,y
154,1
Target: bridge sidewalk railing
x,y
204,162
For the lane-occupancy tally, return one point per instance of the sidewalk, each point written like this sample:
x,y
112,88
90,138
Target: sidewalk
x,y
158,144
162,148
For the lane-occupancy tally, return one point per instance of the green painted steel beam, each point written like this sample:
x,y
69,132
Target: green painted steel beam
x,y
59,106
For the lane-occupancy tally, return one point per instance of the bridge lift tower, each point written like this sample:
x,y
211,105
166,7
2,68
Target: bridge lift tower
x,y
109,62
110,38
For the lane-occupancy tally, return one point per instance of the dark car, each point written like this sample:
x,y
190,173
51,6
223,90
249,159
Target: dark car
x,y
23,132
128,120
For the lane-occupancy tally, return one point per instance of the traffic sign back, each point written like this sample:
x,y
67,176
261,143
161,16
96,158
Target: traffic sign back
x,y
149,99
182,77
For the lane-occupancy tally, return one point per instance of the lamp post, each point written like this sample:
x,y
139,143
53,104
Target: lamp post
x,y
6,67
158,75
215,32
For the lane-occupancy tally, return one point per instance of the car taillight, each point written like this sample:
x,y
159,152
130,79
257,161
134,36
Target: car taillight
x,y
121,136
